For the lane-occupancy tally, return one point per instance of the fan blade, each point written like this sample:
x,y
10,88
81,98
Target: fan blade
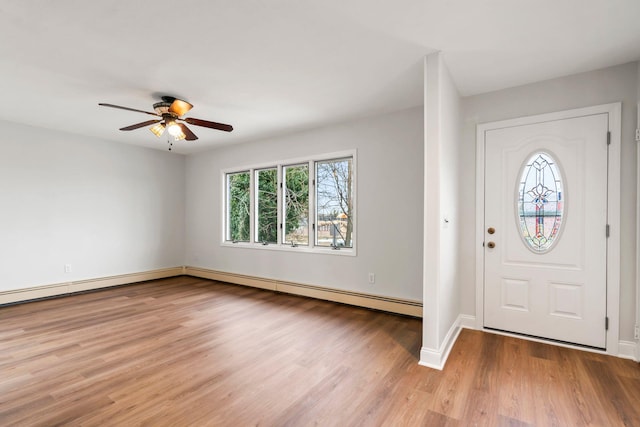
x,y
208,124
141,125
190,135
129,109
180,107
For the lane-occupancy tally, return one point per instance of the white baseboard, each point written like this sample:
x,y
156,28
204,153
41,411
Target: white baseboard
x,y
37,292
436,359
629,350
467,321
389,304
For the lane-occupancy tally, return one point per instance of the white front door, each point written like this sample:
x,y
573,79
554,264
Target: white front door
x,y
545,254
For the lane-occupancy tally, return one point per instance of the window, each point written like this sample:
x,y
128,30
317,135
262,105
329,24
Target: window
x,y
296,204
267,205
238,207
305,204
540,202
334,204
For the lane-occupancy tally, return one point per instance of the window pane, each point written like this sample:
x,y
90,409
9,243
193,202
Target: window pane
x,y
334,204
238,208
540,202
296,204
267,201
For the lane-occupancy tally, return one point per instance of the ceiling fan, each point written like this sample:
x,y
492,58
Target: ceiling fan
x,y
170,111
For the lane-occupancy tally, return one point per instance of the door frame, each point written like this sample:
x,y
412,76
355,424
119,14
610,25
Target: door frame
x,y
613,212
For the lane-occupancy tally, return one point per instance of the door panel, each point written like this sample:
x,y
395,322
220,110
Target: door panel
x,y
558,292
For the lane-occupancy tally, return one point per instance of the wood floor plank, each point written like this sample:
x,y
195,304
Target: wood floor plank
x,y
188,351
515,394
618,406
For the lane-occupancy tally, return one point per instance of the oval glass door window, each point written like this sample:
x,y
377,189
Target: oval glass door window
x,y
540,202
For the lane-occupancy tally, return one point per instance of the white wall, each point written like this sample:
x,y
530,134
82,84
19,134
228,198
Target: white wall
x,y
389,208
105,208
612,84
441,204
449,298
638,213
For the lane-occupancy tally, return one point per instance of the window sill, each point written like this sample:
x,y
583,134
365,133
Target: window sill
x,y
288,248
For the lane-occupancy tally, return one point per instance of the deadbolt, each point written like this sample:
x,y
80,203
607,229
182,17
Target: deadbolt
x,y
491,245
491,230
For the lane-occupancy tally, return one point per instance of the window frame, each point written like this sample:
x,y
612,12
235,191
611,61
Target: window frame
x,y
312,221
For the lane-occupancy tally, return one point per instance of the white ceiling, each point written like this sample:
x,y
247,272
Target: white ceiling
x,y
274,67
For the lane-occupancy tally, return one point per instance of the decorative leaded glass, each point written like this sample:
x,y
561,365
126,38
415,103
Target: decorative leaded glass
x,y
540,202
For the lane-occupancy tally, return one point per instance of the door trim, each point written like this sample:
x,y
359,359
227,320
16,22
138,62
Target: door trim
x,y
613,209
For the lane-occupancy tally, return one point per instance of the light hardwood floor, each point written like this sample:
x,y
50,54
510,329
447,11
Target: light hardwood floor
x,y
192,352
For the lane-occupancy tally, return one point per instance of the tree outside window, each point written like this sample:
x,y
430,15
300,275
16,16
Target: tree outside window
x,y
296,204
239,207
334,203
267,205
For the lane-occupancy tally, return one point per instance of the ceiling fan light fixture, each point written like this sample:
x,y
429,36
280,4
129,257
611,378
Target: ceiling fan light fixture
x,y
173,128
167,113
158,129
180,136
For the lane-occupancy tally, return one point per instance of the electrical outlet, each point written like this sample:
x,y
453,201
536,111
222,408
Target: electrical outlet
x,y
67,268
636,333
372,278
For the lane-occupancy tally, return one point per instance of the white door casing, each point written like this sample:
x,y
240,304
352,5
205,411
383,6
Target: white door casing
x,y
561,293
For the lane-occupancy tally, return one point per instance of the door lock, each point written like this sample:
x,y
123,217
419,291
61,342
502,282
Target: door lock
x,y
491,245
491,230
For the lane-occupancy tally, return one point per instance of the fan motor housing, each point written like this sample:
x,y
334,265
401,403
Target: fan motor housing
x,y
162,107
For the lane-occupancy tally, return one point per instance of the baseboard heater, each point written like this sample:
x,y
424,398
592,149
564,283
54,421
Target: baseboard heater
x,y
376,302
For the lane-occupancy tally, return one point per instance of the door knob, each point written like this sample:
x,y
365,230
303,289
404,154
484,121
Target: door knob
x,y
491,230
491,245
